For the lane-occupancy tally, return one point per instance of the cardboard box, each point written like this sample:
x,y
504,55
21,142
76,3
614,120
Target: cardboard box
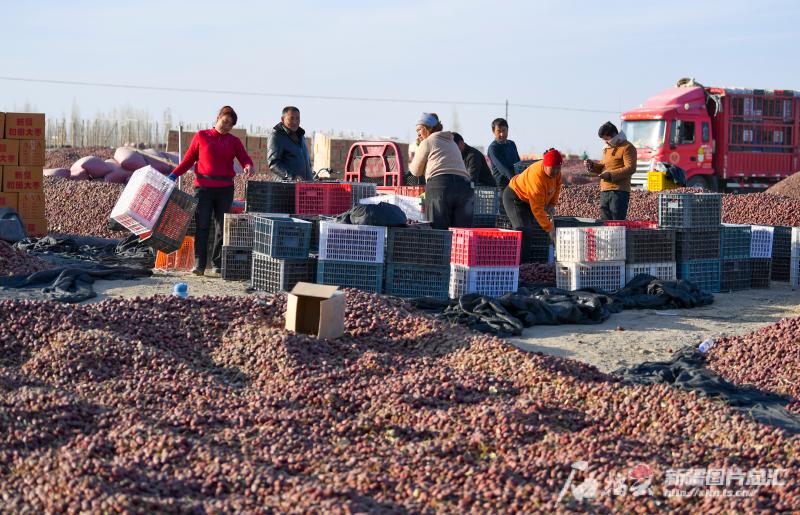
x,y
24,126
23,178
316,309
30,205
258,155
36,227
31,152
172,141
9,152
2,124
8,200
256,142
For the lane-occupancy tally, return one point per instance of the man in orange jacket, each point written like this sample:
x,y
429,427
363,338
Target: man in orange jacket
x,y
530,199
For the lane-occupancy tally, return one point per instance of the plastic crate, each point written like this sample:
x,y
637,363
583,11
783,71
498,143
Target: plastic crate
x,y
238,230
274,275
487,200
782,242
691,244
645,242
541,250
323,198
485,247
491,281
502,221
270,197
781,268
794,272
665,271
406,191
484,221
236,263
407,280
362,190
315,221
170,230
704,273
657,181
574,221
349,274
795,243
736,274
604,275
181,260
419,246
689,210
735,242
761,269
590,244
281,238
761,241
144,197
354,243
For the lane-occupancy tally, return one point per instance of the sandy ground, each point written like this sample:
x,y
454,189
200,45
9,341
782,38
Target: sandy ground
x,y
646,335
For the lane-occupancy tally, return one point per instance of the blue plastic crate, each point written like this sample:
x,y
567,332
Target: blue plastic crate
x,y
274,275
348,274
689,210
281,238
735,241
487,201
404,280
736,274
694,244
704,273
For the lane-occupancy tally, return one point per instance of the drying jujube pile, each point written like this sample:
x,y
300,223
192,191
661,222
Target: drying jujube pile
x,y
80,208
768,358
18,262
537,273
208,404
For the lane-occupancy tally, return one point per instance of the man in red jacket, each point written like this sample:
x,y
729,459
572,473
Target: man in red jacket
x,y
213,150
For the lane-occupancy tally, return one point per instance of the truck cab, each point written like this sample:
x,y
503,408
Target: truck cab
x,y
674,127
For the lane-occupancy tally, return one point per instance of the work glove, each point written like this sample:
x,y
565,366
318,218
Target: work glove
x,y
172,177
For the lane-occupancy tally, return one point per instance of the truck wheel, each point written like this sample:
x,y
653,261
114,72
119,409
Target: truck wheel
x,y
698,181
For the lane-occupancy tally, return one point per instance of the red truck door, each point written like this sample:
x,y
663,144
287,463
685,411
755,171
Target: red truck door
x,y
691,149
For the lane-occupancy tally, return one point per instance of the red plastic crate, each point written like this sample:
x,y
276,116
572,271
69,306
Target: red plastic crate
x,y
320,198
408,191
631,224
485,247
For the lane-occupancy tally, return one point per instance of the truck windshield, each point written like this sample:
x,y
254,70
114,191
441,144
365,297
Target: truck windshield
x,y
644,133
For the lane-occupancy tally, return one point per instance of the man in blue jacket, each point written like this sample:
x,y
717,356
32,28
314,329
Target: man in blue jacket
x,y
287,154
502,153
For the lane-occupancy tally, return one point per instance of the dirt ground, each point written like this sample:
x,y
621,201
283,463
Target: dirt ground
x,y
646,335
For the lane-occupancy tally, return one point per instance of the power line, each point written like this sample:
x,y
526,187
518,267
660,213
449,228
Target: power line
x,y
296,95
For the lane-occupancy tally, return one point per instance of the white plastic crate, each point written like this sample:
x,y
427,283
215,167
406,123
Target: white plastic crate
x,y
605,275
354,243
590,244
238,230
142,200
665,271
492,281
761,241
795,242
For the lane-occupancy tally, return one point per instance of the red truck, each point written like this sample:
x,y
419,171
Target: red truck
x,y
726,139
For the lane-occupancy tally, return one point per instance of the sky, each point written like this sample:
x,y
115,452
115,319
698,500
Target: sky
x,y
450,57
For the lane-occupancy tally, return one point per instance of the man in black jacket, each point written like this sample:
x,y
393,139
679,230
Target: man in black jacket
x,y
287,154
475,163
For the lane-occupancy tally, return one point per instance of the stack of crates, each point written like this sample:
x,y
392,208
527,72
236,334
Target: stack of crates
x,y
362,190
180,260
760,255
351,256
486,207
169,232
697,220
649,250
781,254
280,253
315,221
590,257
736,271
484,261
418,262
237,247
270,197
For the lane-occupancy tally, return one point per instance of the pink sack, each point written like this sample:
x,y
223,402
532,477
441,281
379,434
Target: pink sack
x,y
159,164
80,175
129,159
96,167
119,176
57,172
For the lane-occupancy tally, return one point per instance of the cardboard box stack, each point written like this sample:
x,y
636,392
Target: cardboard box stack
x,y
21,168
331,152
257,149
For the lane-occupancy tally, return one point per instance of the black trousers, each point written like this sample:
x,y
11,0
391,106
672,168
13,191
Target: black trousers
x,y
614,205
211,203
449,201
521,217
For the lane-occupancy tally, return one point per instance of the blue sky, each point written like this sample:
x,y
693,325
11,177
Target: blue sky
x,y
595,55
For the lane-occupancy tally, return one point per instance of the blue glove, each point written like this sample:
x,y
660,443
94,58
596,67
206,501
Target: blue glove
x,y
172,177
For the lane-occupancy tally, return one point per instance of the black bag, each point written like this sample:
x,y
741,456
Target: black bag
x,y
382,214
11,227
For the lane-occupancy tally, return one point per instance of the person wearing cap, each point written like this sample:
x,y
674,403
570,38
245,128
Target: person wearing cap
x,y
531,197
475,163
502,153
615,171
213,150
449,197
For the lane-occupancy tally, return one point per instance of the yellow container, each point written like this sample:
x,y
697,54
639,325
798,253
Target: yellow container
x,y
657,181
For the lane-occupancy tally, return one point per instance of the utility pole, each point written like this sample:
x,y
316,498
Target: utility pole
x,y
506,109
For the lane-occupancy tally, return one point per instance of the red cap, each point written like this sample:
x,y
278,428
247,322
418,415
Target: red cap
x,y
552,158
